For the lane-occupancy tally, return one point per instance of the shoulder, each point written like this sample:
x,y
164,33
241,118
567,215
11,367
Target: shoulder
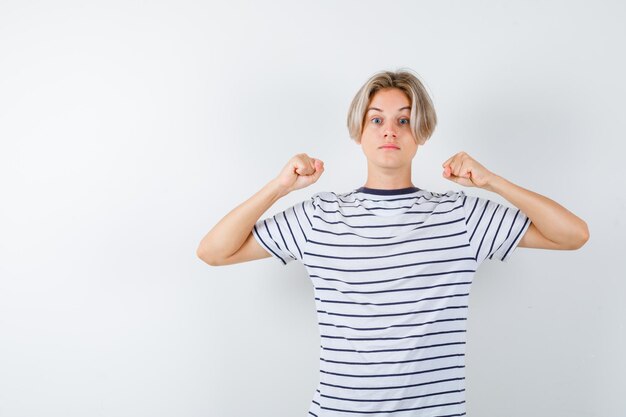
x,y
444,197
322,197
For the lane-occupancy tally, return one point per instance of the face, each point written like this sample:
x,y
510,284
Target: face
x,y
387,140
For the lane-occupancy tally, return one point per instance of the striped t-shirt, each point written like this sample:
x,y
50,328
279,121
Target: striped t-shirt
x,y
391,272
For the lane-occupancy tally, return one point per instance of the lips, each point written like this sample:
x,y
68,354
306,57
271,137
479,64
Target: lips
x,y
389,147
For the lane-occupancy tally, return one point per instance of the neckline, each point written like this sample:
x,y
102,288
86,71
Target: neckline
x,y
381,191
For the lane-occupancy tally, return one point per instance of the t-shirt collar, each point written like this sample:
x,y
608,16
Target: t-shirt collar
x,y
380,191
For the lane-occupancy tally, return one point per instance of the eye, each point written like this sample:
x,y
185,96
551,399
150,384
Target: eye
x,y
374,120
404,120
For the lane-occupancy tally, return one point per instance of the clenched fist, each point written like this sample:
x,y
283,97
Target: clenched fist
x,y
301,171
465,170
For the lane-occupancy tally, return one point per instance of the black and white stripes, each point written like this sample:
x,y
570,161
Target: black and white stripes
x,y
392,271
494,229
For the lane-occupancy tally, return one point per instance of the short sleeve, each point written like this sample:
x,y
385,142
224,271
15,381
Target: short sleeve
x,y
494,229
284,235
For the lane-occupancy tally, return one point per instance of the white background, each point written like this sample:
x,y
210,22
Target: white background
x,y
128,129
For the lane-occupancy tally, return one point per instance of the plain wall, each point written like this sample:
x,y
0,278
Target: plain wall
x,y
128,129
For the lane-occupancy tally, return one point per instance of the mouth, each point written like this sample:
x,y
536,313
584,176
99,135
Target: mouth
x,y
389,147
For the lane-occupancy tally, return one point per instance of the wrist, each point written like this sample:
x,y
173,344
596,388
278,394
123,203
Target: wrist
x,y
494,183
276,189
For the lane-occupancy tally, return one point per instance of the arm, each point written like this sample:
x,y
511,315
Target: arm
x,y
231,240
229,234
552,225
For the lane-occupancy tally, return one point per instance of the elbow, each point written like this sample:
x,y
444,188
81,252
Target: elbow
x,y
583,237
204,255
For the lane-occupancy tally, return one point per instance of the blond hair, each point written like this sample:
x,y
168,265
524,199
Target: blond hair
x,y
423,118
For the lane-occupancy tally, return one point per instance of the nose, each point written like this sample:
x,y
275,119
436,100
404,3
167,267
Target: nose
x,y
390,133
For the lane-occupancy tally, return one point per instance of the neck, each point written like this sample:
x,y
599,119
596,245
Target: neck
x,y
389,181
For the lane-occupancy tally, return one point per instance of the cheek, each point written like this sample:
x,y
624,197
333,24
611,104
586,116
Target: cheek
x,y
368,146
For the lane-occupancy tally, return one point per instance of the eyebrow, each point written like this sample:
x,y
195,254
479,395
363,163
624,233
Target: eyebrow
x,y
401,108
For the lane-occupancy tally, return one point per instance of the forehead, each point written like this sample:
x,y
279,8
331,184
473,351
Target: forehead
x,y
389,99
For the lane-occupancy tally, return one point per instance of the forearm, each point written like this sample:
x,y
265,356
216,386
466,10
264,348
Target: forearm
x,y
229,234
554,221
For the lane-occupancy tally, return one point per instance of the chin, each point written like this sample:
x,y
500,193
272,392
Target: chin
x,y
389,164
